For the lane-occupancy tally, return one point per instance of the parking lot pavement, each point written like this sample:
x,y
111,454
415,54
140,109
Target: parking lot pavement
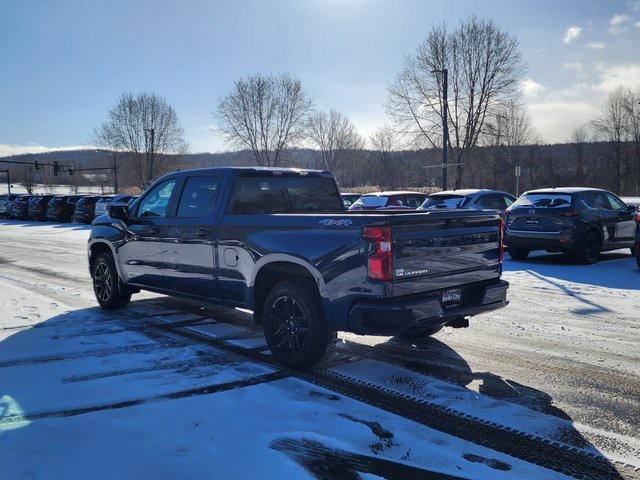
x,y
169,386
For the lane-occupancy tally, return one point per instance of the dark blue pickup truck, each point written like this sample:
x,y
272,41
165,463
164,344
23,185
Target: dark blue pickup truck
x,y
280,243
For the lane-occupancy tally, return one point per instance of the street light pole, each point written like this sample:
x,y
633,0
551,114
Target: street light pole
x,y
445,124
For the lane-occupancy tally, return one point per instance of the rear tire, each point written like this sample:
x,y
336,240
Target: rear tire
x,y
518,253
589,249
294,325
110,292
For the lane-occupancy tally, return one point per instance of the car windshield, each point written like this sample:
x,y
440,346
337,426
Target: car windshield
x,y
369,201
544,200
443,201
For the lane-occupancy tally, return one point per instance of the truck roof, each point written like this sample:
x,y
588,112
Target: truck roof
x,y
266,170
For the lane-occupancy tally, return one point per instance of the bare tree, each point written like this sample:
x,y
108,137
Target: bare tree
x,y
506,129
578,138
632,125
27,176
384,143
611,127
265,114
484,66
334,135
127,129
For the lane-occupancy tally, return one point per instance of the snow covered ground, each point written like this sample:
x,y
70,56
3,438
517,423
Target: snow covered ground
x,y
87,393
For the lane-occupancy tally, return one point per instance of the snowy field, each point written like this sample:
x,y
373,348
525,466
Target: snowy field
x,y
173,389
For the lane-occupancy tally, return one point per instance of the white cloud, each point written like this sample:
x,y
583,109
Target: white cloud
x,y
618,18
613,76
637,24
571,34
556,118
530,87
7,150
618,23
596,45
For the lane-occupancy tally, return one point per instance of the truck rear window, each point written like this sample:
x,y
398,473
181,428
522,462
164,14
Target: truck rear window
x,y
544,200
285,194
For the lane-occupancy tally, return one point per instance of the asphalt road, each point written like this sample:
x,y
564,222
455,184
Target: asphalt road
x,y
568,344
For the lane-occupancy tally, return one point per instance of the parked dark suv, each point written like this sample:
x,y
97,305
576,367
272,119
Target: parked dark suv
x,y
61,208
37,209
478,199
19,207
83,213
5,201
581,222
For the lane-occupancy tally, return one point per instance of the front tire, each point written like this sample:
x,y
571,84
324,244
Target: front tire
x,y
518,253
110,292
294,325
589,250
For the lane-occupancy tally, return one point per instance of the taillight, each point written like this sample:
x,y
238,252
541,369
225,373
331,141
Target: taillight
x,y
380,262
638,216
500,240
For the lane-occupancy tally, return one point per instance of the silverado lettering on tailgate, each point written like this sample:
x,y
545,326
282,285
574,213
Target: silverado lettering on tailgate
x,y
449,241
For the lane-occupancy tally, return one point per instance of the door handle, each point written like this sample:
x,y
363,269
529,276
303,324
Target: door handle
x,y
152,231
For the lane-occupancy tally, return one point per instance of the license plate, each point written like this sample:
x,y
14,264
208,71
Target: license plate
x,y
533,221
451,297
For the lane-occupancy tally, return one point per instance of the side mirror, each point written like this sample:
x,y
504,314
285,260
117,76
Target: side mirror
x,y
119,211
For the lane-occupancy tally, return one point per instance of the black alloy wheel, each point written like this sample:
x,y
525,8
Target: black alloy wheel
x,y
109,290
294,325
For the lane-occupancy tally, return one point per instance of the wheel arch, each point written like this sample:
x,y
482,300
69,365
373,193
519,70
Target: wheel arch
x,y
270,273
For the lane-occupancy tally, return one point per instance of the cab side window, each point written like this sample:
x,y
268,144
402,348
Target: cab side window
x,y
156,203
198,196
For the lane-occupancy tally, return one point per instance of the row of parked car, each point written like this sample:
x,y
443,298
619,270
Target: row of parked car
x,y
58,208
581,222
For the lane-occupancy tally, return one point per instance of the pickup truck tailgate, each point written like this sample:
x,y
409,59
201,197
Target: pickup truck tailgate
x,y
441,249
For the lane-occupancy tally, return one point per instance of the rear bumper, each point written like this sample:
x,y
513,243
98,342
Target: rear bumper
x,y
394,316
562,240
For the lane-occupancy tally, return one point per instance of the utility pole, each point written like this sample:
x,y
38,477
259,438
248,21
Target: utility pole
x,y
517,181
115,173
445,123
152,133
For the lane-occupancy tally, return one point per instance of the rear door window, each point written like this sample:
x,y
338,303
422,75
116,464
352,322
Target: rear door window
x,y
492,201
198,196
595,201
544,200
614,202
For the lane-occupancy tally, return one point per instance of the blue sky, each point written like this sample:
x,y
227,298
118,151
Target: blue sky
x,y
64,63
